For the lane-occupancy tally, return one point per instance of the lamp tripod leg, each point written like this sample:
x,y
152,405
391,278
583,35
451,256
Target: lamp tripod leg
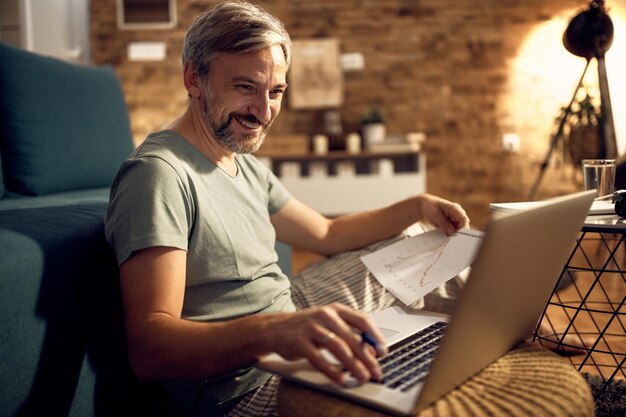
x,y
556,137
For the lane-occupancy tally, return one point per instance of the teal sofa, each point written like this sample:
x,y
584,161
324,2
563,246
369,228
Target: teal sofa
x,y
64,131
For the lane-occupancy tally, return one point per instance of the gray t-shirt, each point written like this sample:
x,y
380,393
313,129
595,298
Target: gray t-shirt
x,y
168,194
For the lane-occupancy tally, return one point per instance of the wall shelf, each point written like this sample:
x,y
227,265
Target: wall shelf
x,y
372,180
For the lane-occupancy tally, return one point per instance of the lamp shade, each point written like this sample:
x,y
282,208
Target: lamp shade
x,y
590,33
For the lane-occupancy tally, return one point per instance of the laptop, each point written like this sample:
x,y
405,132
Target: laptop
x,y
512,277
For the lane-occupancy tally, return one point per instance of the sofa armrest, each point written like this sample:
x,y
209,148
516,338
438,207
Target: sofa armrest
x,y
61,315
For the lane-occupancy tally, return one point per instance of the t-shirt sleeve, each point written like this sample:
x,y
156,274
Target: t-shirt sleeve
x,y
149,206
278,194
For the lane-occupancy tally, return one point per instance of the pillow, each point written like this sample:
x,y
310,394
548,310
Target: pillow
x,y
63,126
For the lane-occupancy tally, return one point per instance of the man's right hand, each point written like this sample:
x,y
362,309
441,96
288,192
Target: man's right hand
x,y
335,327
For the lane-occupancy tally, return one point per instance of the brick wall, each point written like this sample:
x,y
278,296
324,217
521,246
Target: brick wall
x,y
437,66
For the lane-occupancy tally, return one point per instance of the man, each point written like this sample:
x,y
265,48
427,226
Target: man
x,y
193,220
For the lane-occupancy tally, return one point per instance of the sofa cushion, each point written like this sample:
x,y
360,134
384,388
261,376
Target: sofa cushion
x,y
63,126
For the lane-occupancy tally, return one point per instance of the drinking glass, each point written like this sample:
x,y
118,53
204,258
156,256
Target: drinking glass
x,y
599,174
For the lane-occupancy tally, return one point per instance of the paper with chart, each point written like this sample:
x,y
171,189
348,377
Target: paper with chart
x,y
413,267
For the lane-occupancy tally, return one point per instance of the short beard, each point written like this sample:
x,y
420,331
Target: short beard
x,y
224,136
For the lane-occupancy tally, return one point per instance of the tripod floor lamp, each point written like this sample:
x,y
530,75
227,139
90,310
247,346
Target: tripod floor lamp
x,y
589,35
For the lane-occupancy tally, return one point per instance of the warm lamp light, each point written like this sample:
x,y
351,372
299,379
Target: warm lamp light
x,y
588,35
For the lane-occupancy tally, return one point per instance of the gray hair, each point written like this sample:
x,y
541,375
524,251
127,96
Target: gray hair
x,y
232,27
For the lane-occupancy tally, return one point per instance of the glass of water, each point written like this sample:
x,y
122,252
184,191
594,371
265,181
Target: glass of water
x,y
599,174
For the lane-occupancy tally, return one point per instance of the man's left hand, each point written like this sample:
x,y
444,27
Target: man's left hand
x,y
444,214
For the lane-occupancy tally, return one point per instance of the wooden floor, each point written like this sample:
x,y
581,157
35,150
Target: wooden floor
x,y
583,305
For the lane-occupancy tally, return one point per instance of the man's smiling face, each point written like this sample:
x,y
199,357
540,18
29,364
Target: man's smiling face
x,y
243,97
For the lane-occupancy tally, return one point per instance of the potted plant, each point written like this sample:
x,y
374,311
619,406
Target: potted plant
x,y
584,140
373,126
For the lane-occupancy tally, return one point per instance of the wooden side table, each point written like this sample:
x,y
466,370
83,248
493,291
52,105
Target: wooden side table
x,y
528,381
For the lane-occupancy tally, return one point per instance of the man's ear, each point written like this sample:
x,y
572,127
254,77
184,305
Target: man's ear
x,y
191,80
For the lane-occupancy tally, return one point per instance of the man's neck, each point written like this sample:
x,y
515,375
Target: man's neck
x,y
191,126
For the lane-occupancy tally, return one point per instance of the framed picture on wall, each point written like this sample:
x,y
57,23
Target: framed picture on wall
x,y
315,77
146,14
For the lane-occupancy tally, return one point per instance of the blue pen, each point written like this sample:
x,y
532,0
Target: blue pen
x,y
367,338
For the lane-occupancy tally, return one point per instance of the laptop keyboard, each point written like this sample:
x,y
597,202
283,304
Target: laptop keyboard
x,y
408,361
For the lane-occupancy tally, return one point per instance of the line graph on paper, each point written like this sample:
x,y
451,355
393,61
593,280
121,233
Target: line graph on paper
x,y
418,260
413,267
